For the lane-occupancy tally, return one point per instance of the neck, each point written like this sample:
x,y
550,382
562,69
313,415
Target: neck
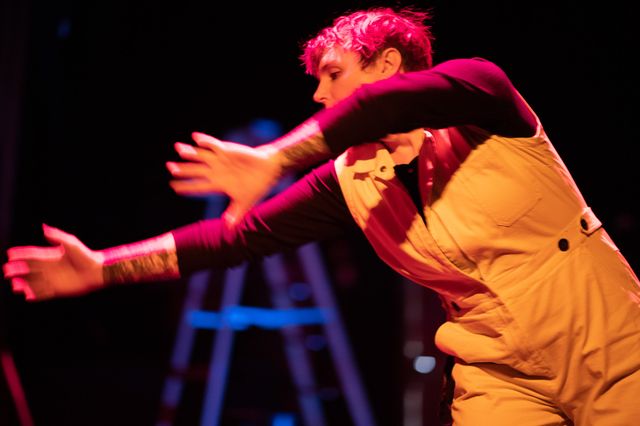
x,y
404,147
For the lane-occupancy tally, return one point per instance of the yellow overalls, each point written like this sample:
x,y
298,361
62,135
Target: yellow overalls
x,y
543,310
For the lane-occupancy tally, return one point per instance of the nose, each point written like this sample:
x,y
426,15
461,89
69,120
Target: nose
x,y
320,95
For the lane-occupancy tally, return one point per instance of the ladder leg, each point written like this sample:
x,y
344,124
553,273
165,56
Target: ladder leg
x,y
338,341
182,348
185,334
297,357
221,352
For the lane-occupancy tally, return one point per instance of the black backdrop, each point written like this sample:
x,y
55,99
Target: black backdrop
x,y
109,86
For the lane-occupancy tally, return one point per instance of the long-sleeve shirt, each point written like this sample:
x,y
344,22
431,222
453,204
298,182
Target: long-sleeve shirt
x,y
457,92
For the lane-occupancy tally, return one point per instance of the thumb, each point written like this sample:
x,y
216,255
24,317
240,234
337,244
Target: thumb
x,y
206,141
56,236
233,214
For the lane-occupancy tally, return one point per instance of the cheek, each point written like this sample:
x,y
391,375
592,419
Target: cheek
x,y
337,94
343,90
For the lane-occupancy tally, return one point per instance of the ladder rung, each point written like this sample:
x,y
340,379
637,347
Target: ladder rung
x,y
242,317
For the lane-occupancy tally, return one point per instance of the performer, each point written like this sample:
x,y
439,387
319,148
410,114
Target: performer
x,y
450,175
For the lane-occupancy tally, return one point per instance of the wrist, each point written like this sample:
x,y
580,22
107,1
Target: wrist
x,y
154,259
96,278
302,147
274,157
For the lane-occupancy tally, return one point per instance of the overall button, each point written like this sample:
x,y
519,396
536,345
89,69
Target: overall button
x,y
563,244
584,224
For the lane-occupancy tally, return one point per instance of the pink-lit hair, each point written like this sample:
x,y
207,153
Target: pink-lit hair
x,y
369,32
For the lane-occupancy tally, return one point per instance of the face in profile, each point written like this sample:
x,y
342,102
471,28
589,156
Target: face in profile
x,y
340,73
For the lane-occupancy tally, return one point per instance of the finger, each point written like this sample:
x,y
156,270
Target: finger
x,y
191,153
192,187
207,141
33,252
29,294
187,170
15,268
18,285
57,236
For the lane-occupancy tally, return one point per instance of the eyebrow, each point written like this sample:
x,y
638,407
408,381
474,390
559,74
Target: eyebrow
x,y
327,65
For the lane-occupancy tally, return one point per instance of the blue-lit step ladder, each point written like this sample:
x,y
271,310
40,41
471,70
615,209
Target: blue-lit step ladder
x,y
233,318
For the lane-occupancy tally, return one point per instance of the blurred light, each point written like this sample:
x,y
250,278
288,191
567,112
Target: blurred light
x,y
265,129
300,292
316,342
258,132
413,405
242,317
64,28
283,419
424,364
412,348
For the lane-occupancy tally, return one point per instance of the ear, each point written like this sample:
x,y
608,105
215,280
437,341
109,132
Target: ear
x,y
390,62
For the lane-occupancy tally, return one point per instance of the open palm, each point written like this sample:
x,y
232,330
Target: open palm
x,y
68,268
243,173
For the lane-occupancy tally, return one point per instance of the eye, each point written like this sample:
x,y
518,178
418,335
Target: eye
x,y
334,75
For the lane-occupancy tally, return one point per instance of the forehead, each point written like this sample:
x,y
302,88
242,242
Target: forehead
x,y
337,55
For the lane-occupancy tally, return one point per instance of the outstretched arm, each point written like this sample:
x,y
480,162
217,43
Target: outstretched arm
x,y
311,209
149,260
70,268
244,174
455,93
301,148
458,92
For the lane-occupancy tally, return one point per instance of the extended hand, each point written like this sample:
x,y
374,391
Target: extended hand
x,y
243,173
68,268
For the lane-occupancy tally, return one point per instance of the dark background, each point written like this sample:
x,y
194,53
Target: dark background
x,y
105,89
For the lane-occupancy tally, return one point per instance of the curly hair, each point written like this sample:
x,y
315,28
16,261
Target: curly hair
x,y
369,32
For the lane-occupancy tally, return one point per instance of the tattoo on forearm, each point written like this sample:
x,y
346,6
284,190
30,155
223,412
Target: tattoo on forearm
x,y
149,260
303,147
305,153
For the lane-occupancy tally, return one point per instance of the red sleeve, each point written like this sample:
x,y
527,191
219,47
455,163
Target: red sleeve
x,y
454,93
311,209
